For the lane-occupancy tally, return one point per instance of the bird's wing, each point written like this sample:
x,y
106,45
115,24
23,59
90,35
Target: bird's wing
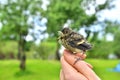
x,y
78,41
82,46
76,38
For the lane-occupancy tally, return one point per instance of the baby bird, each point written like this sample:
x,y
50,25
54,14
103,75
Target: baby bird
x,y
73,41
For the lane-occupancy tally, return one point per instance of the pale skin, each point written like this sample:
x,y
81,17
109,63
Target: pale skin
x,y
81,70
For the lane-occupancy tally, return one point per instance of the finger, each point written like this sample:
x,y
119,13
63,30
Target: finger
x,y
89,65
81,55
61,75
81,66
69,72
66,68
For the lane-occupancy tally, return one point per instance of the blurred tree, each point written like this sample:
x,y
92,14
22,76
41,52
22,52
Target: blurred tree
x,y
46,50
60,12
114,29
14,16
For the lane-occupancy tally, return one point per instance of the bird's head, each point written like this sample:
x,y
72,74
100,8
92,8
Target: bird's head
x,y
66,31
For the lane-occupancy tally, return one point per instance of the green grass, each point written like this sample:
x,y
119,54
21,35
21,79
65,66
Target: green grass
x,y
49,70
36,70
103,68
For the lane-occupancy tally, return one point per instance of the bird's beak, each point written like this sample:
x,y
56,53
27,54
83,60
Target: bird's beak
x,y
59,32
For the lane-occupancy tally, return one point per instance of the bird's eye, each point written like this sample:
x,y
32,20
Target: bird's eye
x,y
66,32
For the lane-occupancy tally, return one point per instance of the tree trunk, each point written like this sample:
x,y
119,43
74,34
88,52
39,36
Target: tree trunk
x,y
23,62
21,53
57,52
19,50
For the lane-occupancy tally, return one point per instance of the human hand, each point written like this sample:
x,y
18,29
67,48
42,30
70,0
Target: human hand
x,y
81,70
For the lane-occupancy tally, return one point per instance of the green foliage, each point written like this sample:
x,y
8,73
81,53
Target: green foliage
x,y
114,29
8,48
14,18
101,49
59,12
73,13
28,46
46,50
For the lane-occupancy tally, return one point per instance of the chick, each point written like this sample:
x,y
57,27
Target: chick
x,y
73,41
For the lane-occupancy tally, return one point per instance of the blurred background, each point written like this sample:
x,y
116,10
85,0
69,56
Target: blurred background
x,y
29,31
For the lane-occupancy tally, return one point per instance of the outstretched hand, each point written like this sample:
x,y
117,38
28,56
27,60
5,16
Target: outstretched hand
x,y
81,70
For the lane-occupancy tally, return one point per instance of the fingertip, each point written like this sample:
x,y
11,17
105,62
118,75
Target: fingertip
x,y
84,56
89,65
81,55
